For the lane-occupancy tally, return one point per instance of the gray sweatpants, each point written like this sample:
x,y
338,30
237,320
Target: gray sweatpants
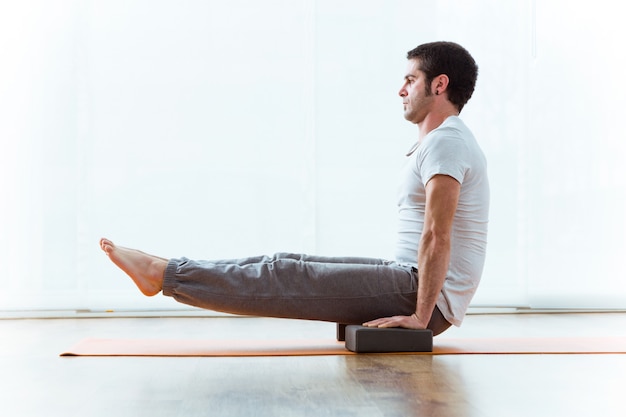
x,y
342,290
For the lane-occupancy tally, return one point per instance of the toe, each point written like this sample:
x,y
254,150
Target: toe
x,y
106,245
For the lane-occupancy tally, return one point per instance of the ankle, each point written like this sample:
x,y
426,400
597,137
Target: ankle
x,y
157,272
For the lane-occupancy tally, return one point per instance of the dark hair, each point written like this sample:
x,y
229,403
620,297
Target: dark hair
x,y
453,60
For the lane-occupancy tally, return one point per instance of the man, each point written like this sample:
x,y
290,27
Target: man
x,y
443,215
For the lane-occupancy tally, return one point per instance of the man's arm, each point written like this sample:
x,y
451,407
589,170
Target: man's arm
x,y
442,197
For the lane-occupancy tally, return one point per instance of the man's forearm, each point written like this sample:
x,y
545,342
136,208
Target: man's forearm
x,y
433,260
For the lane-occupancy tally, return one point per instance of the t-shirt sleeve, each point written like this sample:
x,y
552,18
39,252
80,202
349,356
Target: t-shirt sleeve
x,y
443,156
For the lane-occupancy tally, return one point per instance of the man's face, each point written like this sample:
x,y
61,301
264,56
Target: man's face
x,y
417,97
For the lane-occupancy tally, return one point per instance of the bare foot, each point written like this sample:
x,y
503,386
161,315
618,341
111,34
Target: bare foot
x,y
145,270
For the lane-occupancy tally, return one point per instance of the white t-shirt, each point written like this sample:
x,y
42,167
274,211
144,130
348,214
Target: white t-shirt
x,y
452,150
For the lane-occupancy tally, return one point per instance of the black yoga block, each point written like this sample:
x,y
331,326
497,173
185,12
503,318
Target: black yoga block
x,y
384,340
341,332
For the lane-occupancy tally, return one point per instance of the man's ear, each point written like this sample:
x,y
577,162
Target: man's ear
x,y
440,84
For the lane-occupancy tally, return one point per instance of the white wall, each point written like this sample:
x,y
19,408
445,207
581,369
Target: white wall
x,y
220,129
576,171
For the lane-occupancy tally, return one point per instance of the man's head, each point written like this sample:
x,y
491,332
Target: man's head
x,y
450,59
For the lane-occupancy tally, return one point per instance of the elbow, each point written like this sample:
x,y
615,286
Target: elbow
x,y
436,238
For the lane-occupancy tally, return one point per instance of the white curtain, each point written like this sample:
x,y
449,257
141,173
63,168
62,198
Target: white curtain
x,y
216,129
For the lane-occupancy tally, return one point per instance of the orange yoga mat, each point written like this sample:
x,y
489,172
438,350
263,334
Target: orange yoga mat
x,y
442,346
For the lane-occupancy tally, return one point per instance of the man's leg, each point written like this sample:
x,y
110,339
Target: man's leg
x,y
344,290
353,290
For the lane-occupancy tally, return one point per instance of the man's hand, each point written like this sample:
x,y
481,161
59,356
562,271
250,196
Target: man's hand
x,y
407,322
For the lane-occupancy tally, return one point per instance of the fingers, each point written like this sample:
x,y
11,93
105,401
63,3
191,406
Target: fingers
x,y
407,322
384,322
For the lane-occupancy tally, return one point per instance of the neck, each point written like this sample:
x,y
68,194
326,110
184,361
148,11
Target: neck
x,y
434,119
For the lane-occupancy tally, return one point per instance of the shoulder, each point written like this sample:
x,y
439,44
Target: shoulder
x,y
452,138
453,128
448,150
446,140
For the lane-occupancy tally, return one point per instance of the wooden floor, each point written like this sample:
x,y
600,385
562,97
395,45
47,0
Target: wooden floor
x,y
35,381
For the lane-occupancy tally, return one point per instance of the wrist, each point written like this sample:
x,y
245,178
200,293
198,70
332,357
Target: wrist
x,y
420,323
